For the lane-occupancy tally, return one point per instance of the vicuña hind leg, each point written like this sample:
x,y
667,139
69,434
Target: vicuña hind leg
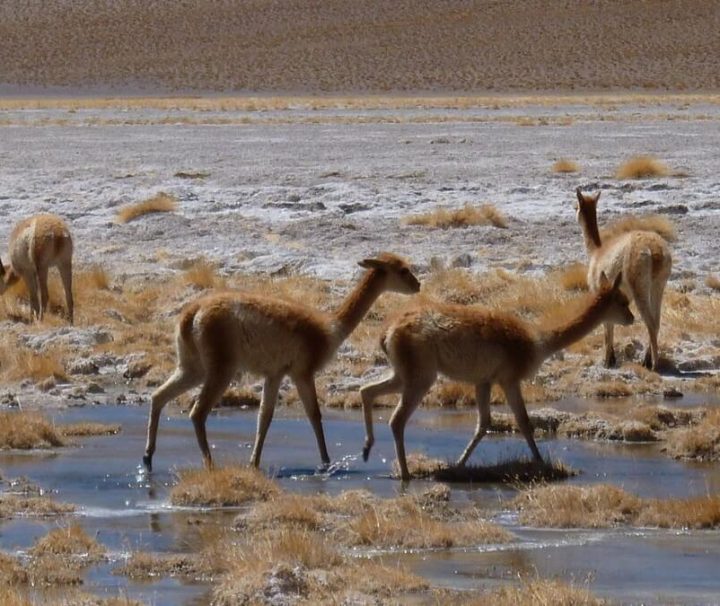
x,y
183,379
265,415
482,398
308,396
517,405
369,393
653,325
412,395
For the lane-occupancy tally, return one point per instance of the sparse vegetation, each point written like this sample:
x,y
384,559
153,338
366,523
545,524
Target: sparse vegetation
x,y
565,166
468,215
539,592
72,541
221,487
642,167
521,470
700,441
26,430
605,505
160,203
203,275
12,506
713,282
86,430
656,223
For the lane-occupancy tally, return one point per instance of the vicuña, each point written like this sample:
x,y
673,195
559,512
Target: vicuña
x,y
38,243
221,334
643,258
480,347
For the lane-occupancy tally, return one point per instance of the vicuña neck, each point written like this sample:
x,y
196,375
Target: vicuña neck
x,y
357,304
590,230
555,339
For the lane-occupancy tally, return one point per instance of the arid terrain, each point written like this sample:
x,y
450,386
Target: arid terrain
x,y
170,197
376,46
270,145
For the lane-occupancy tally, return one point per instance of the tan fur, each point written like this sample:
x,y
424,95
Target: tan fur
x,y
221,334
480,347
36,244
645,261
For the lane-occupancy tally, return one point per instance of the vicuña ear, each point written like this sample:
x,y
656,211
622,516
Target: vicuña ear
x,y
596,196
371,264
604,282
618,281
580,196
2,268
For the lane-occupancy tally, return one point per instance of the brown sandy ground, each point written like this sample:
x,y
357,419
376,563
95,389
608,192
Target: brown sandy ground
x,y
369,45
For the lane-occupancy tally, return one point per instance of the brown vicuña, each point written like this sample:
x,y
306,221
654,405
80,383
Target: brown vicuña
x,y
38,243
643,258
221,334
480,347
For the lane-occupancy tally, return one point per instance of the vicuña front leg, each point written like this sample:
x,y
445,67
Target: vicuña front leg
x,y
368,394
482,398
411,397
180,381
214,387
610,360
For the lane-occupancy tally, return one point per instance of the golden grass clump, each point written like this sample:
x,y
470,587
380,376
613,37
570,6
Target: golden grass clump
x,y
574,277
12,506
143,565
520,470
403,523
713,282
700,441
291,558
564,165
444,218
222,487
656,223
605,505
72,541
11,571
160,203
203,275
27,430
539,592
21,363
642,167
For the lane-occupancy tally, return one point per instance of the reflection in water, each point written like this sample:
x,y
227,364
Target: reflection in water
x,y
130,509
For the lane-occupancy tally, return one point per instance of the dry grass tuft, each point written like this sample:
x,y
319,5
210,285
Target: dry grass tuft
x,y
203,275
142,565
565,166
72,541
574,277
191,175
699,442
512,471
93,278
86,430
222,487
539,592
713,282
656,223
21,363
27,430
160,203
14,506
444,218
604,505
642,167
11,571
402,523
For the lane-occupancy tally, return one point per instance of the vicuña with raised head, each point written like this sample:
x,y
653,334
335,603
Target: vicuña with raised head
x,y
221,334
643,258
480,347
38,243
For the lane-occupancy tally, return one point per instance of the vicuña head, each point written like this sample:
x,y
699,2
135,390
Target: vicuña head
x,y
645,261
480,347
221,334
37,244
